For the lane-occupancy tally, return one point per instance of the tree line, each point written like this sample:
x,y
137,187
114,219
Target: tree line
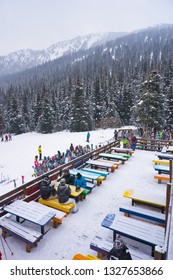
x,y
125,81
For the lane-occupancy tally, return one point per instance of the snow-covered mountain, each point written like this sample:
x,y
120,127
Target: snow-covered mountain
x,y
25,59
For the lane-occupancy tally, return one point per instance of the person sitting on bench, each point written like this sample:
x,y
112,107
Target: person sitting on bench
x,y
47,190
69,178
119,251
79,182
64,193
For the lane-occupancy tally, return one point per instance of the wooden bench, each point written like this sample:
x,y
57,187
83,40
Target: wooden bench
x,y
103,246
147,214
80,257
24,233
161,177
54,203
89,186
160,161
162,169
85,193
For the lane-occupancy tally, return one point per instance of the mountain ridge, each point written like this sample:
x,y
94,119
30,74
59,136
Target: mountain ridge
x,y
27,58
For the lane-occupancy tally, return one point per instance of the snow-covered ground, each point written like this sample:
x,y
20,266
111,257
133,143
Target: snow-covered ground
x,y
17,156
77,230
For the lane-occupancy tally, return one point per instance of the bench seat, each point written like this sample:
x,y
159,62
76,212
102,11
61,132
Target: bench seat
x,y
143,213
85,193
160,161
24,233
54,203
103,246
80,257
89,185
161,177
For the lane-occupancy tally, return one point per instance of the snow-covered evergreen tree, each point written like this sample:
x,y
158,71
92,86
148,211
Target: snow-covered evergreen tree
x,y
80,117
47,116
148,112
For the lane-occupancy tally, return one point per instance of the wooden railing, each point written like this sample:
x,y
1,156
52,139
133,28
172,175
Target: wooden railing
x,y
152,144
31,190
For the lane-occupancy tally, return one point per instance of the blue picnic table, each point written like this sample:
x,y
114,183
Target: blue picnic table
x,y
87,175
96,171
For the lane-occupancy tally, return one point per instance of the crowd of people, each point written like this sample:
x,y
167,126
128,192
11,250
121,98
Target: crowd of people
x,y
129,137
7,137
47,163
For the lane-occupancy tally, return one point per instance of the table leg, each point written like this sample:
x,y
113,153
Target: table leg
x,y
114,235
42,230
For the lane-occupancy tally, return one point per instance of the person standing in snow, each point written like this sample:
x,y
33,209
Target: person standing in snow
x,y
88,136
40,152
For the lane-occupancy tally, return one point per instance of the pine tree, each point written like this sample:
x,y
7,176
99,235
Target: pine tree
x,y
169,107
47,116
14,115
2,120
80,118
148,112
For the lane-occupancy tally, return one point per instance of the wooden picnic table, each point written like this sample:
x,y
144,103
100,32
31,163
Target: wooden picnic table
x,y
148,198
114,157
87,175
106,165
123,155
96,171
74,193
33,214
122,150
144,232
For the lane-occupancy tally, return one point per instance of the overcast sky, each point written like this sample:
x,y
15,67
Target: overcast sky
x,y
36,24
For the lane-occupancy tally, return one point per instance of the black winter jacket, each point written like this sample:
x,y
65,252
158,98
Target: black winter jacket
x,y
63,193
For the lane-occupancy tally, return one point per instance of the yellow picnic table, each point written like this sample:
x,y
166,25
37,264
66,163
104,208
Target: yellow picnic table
x,y
148,198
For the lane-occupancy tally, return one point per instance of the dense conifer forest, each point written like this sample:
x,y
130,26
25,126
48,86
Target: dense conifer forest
x,y
125,81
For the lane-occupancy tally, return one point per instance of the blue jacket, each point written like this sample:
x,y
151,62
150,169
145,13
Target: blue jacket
x,y
80,182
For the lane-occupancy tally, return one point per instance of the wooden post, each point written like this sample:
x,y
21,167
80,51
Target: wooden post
x,y
168,193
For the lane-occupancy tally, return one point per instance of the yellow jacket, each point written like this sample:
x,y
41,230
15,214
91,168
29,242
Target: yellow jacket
x,y
39,150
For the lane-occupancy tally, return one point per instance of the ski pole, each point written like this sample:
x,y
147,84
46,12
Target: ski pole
x,y
9,247
3,248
